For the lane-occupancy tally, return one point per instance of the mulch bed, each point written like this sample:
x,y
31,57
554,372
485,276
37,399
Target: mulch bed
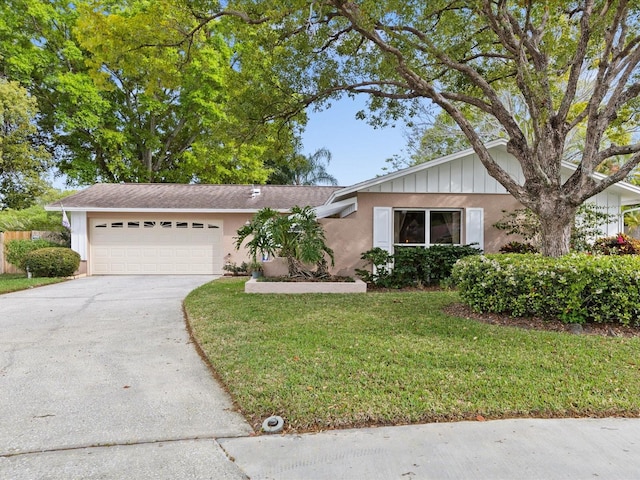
x,y
603,329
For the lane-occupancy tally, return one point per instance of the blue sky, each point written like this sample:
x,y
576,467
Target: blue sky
x,y
358,150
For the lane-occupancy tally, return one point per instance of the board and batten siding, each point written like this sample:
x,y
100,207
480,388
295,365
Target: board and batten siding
x,y
609,203
462,175
467,175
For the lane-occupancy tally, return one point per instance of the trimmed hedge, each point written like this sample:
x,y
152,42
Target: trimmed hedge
x,y
16,251
576,288
413,265
52,262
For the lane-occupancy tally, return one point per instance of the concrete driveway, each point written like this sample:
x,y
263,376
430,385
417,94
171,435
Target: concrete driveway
x,y
98,380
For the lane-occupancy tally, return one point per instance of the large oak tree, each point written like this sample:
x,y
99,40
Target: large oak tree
x,y
123,97
460,55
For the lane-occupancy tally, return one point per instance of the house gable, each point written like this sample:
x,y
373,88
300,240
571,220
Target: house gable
x,y
456,174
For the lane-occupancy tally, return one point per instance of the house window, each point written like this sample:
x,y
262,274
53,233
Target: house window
x,y
182,224
133,224
149,224
197,225
427,227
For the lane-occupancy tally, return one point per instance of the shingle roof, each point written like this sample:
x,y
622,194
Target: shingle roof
x,y
117,196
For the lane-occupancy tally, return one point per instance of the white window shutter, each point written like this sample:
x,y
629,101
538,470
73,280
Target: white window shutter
x,y
474,227
383,228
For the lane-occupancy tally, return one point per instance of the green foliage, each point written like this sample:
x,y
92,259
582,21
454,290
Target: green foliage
x,y
620,244
236,269
518,247
576,288
259,231
304,170
16,251
23,161
125,97
380,262
298,237
52,262
588,225
36,217
413,266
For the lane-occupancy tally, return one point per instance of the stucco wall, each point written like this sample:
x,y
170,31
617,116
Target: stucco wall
x,y
351,236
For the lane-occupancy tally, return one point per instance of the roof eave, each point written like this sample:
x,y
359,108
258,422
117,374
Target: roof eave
x,y
58,208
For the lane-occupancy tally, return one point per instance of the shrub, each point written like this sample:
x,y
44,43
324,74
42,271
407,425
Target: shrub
x,y
52,262
235,269
380,262
413,265
575,288
620,244
518,247
16,251
441,259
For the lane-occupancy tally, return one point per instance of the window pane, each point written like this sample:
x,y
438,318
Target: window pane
x,y
149,224
409,226
133,224
182,224
444,227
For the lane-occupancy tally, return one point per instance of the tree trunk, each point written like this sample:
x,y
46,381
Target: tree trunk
x,y
556,222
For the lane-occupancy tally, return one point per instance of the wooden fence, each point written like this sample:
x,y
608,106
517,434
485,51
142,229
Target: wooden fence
x,y
6,267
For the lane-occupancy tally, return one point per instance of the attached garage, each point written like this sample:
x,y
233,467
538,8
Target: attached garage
x,y
170,229
155,245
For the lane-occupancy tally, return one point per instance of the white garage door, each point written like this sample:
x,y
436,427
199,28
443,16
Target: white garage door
x,y
155,246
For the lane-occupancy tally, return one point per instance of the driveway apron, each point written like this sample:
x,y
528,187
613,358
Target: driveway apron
x,y
98,379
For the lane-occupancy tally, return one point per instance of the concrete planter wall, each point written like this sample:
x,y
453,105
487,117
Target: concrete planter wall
x,y
253,286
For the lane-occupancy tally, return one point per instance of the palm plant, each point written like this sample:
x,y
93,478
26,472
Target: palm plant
x,y
260,229
305,170
298,237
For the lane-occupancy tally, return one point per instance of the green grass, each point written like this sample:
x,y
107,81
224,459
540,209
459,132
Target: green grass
x,y
325,361
12,282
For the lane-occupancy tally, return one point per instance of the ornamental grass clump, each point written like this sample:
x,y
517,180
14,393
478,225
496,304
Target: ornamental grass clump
x,y
575,289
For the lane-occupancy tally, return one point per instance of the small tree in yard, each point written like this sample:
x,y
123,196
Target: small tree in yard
x,y
298,237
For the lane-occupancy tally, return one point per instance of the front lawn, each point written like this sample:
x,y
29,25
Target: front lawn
x,y
12,282
325,361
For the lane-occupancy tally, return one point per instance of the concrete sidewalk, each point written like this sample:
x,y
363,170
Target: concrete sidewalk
x,y
99,380
504,449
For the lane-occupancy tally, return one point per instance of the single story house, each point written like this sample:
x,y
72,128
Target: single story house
x,y
189,229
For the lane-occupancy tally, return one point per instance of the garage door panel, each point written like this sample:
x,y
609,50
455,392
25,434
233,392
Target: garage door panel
x,y
155,246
